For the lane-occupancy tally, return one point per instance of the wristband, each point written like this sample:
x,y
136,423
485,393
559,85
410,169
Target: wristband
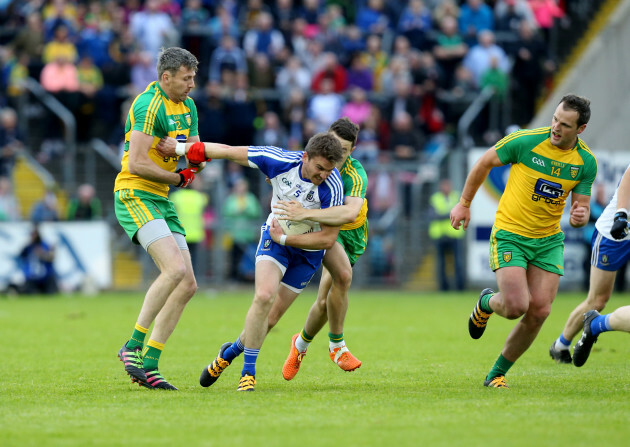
x,y
180,149
283,239
622,210
463,202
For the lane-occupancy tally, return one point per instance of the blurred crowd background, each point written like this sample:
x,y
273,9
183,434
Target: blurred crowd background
x,y
271,72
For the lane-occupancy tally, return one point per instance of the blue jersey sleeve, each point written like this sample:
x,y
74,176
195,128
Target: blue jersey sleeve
x,y
273,161
331,191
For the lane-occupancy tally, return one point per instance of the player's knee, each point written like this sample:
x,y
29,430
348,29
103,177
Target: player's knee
x,y
515,310
344,278
190,284
599,302
264,297
537,316
175,272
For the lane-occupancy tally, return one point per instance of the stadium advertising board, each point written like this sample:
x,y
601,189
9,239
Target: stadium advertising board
x,y
82,252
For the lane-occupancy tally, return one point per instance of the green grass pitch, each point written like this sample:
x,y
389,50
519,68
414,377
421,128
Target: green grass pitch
x,y
61,383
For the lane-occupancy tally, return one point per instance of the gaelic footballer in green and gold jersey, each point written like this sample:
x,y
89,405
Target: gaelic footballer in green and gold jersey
x,y
153,113
353,236
541,178
527,243
147,215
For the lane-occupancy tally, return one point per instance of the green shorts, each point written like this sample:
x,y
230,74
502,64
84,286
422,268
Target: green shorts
x,y
512,250
354,241
134,208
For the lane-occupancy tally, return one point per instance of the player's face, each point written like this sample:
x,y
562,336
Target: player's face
x,y
316,169
179,86
564,128
346,148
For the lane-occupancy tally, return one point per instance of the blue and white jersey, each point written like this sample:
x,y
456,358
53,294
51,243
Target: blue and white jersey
x,y
283,169
605,221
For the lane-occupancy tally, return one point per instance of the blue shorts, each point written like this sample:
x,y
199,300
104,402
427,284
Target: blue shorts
x,y
298,266
607,254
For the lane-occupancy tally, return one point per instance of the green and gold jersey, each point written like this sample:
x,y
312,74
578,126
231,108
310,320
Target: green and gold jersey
x,y
153,113
354,185
541,177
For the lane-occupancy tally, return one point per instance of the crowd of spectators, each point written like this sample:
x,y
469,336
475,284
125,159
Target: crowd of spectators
x,y
275,72
306,61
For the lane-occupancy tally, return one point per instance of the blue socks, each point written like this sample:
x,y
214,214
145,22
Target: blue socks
x,y
564,341
600,324
250,357
233,351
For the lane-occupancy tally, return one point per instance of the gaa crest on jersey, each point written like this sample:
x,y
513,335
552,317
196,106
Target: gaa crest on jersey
x,y
309,196
188,119
574,170
507,256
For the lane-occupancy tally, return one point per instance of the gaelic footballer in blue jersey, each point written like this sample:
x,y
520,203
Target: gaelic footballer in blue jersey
x,y
287,261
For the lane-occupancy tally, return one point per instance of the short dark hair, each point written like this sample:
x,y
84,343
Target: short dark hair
x,y
326,145
345,129
172,59
580,104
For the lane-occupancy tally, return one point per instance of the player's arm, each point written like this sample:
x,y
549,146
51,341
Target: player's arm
x,y
318,240
580,210
140,163
201,165
197,153
335,215
476,176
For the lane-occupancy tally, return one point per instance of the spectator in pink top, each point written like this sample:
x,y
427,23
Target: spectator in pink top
x,y
358,109
60,75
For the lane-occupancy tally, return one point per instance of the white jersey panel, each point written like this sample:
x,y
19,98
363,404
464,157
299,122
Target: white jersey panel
x,y
605,221
283,169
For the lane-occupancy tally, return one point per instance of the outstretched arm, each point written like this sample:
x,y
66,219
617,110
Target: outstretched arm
x,y
461,212
334,216
197,153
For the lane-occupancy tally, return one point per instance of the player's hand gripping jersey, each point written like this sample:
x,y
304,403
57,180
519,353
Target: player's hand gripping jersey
x,y
540,180
283,169
152,113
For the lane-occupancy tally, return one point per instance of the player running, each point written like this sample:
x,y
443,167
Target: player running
x,y
527,243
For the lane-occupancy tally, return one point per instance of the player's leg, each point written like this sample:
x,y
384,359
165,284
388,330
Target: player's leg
x,y
607,258
167,319
511,302
315,320
157,239
601,287
337,306
332,297
267,282
281,304
507,259
542,287
619,320
593,325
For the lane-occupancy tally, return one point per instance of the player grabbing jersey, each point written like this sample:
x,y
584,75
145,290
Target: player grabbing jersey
x,y
147,215
332,297
282,261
